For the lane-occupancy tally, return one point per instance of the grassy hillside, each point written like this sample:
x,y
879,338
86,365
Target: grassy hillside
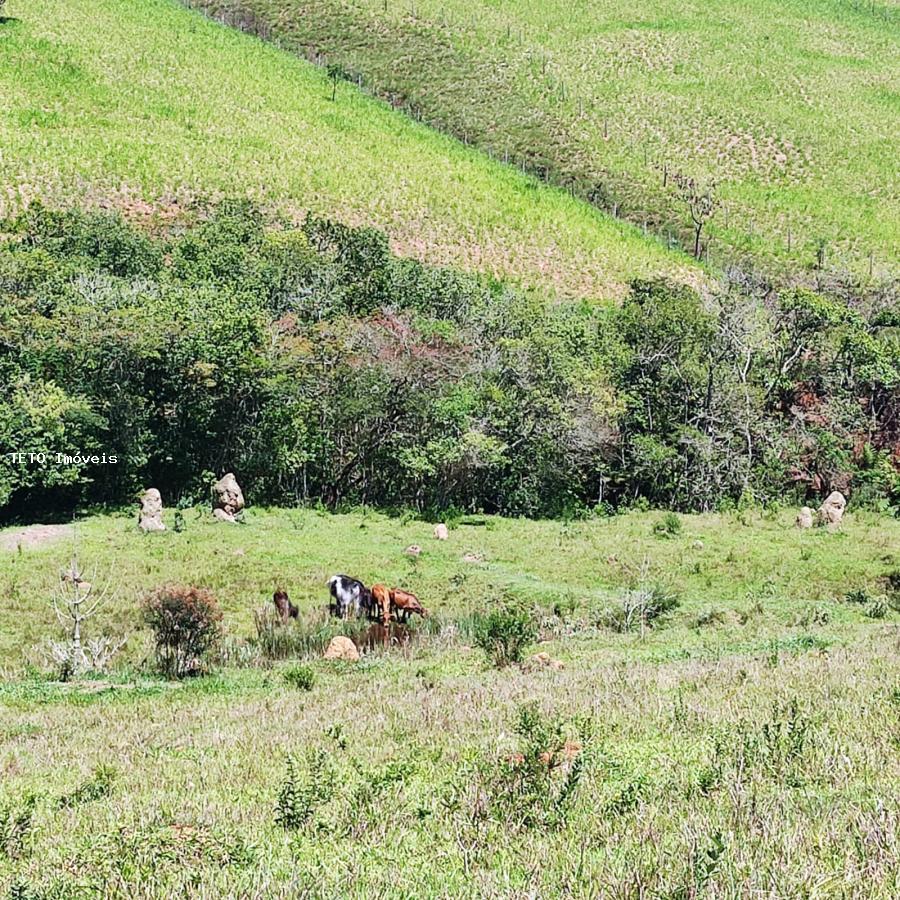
x,y
747,742
790,107
578,565
144,105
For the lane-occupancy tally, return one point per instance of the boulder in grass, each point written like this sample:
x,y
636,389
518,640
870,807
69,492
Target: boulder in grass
x,y
804,518
341,647
832,510
150,516
227,498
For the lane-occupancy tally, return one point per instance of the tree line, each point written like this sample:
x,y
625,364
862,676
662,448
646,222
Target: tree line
x,y
319,367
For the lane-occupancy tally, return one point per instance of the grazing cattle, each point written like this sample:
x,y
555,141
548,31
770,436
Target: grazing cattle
x,y
285,608
348,595
381,598
403,604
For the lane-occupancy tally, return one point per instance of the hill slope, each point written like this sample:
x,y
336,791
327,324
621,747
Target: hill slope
x,y
137,102
790,107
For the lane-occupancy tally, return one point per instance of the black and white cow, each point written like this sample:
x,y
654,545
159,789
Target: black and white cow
x,y
349,596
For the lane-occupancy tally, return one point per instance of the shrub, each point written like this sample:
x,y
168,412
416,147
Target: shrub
x,y
711,616
16,826
186,623
877,609
639,608
857,595
304,788
784,740
536,786
504,632
813,615
668,526
301,677
892,582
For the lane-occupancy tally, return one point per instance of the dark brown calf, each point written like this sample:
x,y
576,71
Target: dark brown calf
x,y
285,608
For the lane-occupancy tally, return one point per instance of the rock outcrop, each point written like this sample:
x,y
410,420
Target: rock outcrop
x,y
150,516
341,647
804,518
227,498
832,510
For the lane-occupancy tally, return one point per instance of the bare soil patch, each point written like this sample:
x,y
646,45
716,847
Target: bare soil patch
x,y
33,536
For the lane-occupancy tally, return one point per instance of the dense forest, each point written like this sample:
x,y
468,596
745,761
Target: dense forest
x,y
319,367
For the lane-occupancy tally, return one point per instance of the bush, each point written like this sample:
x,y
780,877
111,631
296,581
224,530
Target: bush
x,y
877,609
812,615
537,786
668,526
301,677
504,632
709,617
304,788
858,595
639,608
186,623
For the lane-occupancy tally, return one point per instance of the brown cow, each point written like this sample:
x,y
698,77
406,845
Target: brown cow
x,y
381,599
285,608
403,604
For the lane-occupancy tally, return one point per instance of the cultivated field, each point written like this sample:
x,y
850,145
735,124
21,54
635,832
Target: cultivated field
x,y
791,107
146,106
744,745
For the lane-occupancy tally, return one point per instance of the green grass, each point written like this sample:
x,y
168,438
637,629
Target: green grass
x,y
756,753
579,566
791,107
144,105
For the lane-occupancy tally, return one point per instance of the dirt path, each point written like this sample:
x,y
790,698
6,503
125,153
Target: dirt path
x,y
33,536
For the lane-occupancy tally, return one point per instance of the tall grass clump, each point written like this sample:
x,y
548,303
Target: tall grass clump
x,y
16,826
639,608
306,636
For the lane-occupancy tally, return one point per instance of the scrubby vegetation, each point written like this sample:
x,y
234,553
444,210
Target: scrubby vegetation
x,y
505,631
319,367
565,575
